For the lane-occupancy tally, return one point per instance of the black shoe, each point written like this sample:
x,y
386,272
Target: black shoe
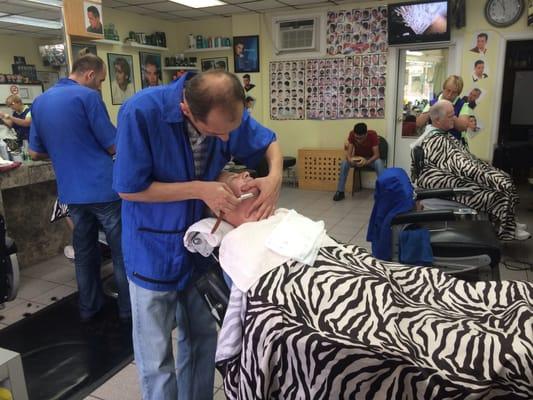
x,y
338,196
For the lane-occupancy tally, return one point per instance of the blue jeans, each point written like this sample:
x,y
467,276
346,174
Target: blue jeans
x,y
155,314
87,219
378,166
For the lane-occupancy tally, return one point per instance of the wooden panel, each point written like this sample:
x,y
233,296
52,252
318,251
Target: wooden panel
x,y
75,23
319,169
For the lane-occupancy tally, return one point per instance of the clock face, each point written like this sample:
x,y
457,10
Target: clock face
x,y
503,12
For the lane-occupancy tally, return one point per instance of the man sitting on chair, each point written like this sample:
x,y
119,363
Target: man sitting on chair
x,y
362,151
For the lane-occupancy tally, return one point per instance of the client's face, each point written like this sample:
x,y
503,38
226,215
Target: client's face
x,y
237,182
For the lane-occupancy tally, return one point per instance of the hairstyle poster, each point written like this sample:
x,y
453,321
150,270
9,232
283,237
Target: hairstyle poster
x,y
287,89
347,87
356,31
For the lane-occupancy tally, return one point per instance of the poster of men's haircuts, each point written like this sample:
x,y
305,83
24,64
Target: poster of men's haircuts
x,y
287,84
347,87
356,31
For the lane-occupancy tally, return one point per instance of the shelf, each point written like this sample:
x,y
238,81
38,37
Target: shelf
x,y
130,44
146,46
178,68
207,50
108,41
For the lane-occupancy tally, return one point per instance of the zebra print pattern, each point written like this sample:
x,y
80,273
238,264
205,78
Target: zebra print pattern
x,y
354,327
447,164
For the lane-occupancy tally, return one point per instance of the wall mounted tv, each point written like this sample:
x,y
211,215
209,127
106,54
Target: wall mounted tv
x,y
419,22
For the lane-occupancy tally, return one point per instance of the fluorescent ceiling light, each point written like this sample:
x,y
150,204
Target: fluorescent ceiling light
x,y
53,3
199,3
41,23
414,53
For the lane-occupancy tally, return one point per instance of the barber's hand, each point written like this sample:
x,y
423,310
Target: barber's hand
x,y
219,197
265,204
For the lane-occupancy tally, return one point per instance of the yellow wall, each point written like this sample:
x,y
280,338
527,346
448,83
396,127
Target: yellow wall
x,y
26,46
125,22
294,134
482,145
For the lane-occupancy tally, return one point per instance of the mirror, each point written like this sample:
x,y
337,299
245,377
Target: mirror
x,y
32,43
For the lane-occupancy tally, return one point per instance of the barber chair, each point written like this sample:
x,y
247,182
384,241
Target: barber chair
x,y
461,242
9,266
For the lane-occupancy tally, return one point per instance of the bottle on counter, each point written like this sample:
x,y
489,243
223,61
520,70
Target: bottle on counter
x,y
192,41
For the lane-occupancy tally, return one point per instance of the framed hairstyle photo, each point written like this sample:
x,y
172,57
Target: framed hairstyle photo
x,y
214,63
246,53
150,69
79,50
120,77
94,21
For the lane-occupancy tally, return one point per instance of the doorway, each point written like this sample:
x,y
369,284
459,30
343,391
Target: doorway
x,y
420,77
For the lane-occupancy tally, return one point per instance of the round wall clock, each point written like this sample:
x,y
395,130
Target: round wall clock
x,y
501,13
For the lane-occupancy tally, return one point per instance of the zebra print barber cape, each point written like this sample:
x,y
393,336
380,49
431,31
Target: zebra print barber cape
x,y
354,327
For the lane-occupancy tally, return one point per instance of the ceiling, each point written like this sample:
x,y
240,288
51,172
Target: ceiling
x,y
162,9
176,12
32,10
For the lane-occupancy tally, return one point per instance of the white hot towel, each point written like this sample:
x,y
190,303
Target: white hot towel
x,y
199,239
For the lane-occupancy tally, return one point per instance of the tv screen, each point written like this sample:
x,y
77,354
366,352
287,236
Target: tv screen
x,y
418,22
53,54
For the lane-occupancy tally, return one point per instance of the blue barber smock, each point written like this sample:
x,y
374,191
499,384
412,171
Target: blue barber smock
x,y
71,124
153,145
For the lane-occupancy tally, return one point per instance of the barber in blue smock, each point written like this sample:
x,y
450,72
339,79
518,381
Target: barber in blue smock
x,y
173,142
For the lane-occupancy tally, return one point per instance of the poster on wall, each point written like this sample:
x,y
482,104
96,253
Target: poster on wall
x,y
93,17
79,50
347,87
246,53
120,77
150,69
215,63
356,31
287,85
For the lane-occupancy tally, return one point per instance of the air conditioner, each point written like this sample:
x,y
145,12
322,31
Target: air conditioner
x,y
297,34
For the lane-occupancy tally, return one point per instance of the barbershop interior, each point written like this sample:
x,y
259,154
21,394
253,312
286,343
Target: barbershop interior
x,y
266,199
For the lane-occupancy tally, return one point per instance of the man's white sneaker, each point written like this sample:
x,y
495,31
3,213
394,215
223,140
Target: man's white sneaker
x,y
69,252
521,227
521,235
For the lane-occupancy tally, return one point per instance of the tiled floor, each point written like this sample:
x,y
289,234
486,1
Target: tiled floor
x,y
346,221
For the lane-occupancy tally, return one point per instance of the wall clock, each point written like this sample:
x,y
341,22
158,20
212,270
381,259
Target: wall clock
x,y
501,13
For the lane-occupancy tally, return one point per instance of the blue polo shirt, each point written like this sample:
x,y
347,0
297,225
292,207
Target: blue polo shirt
x,y
71,124
153,146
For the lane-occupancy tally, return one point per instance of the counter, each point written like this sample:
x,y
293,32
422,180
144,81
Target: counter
x,y
27,195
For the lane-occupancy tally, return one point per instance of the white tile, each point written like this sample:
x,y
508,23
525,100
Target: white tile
x,y
60,275
219,382
47,267
31,287
123,386
18,312
55,294
220,395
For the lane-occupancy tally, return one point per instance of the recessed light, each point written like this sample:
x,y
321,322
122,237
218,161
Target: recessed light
x,y
41,23
199,3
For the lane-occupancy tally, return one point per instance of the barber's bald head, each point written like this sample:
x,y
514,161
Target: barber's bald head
x,y
442,115
214,89
213,102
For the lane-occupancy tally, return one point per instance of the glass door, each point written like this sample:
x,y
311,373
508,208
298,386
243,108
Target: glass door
x,y
420,77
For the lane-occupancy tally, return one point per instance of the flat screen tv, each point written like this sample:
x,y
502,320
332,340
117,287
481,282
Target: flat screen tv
x,y
53,54
419,22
